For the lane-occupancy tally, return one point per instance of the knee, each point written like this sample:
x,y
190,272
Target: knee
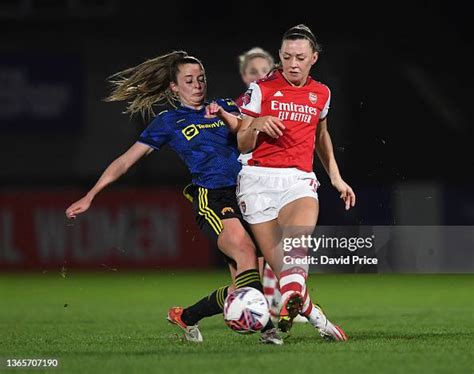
x,y
239,246
297,232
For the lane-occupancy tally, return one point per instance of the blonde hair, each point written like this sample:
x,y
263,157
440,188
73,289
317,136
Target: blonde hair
x,y
148,84
255,52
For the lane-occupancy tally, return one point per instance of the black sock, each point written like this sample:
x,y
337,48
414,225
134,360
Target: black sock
x,y
251,278
206,307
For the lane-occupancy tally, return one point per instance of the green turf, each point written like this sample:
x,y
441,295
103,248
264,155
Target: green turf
x,y
115,322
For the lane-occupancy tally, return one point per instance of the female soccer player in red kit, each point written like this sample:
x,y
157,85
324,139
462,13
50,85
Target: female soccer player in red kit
x,y
254,65
285,121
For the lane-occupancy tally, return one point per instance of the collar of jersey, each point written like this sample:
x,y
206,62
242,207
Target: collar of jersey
x,y
188,109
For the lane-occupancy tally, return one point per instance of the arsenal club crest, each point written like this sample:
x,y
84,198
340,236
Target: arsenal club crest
x,y
247,96
313,97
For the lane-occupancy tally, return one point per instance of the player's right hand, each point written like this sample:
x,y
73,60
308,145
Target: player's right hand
x,y
272,126
347,194
212,110
78,207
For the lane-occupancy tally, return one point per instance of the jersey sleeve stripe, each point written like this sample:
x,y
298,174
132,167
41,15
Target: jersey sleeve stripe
x,y
249,112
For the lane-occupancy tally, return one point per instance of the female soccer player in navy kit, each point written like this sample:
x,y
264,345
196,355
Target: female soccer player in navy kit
x,y
284,120
208,148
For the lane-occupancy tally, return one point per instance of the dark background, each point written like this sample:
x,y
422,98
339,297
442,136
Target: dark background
x,y
401,115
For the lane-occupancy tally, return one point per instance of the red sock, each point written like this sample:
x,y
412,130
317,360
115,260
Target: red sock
x,y
293,276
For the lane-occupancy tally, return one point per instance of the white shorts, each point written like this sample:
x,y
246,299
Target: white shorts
x,y
262,192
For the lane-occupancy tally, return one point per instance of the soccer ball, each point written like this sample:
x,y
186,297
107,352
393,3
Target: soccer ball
x,y
246,310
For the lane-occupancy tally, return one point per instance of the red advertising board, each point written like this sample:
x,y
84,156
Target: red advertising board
x,y
129,228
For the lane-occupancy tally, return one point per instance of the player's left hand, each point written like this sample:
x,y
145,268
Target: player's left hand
x,y
212,110
347,194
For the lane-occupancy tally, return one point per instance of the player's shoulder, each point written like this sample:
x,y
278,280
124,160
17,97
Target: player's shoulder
x,y
267,85
163,117
226,101
269,79
228,105
314,84
165,114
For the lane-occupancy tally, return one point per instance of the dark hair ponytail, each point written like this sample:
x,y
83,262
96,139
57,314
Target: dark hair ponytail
x,y
302,32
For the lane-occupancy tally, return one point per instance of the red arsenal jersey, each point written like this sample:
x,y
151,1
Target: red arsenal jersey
x,y
299,108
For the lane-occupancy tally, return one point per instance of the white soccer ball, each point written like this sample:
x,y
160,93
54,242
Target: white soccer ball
x,y
246,310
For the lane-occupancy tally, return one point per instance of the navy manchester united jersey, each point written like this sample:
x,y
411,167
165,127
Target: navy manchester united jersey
x,y
206,145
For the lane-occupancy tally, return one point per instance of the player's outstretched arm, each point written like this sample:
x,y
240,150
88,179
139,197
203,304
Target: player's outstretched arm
x,y
325,152
232,121
250,127
114,171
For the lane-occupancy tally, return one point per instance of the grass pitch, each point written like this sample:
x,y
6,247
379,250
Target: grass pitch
x,y
114,322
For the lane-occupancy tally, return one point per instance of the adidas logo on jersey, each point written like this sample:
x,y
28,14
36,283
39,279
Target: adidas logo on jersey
x,y
278,94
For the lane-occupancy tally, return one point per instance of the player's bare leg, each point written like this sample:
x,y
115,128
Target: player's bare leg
x,y
299,218
235,243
